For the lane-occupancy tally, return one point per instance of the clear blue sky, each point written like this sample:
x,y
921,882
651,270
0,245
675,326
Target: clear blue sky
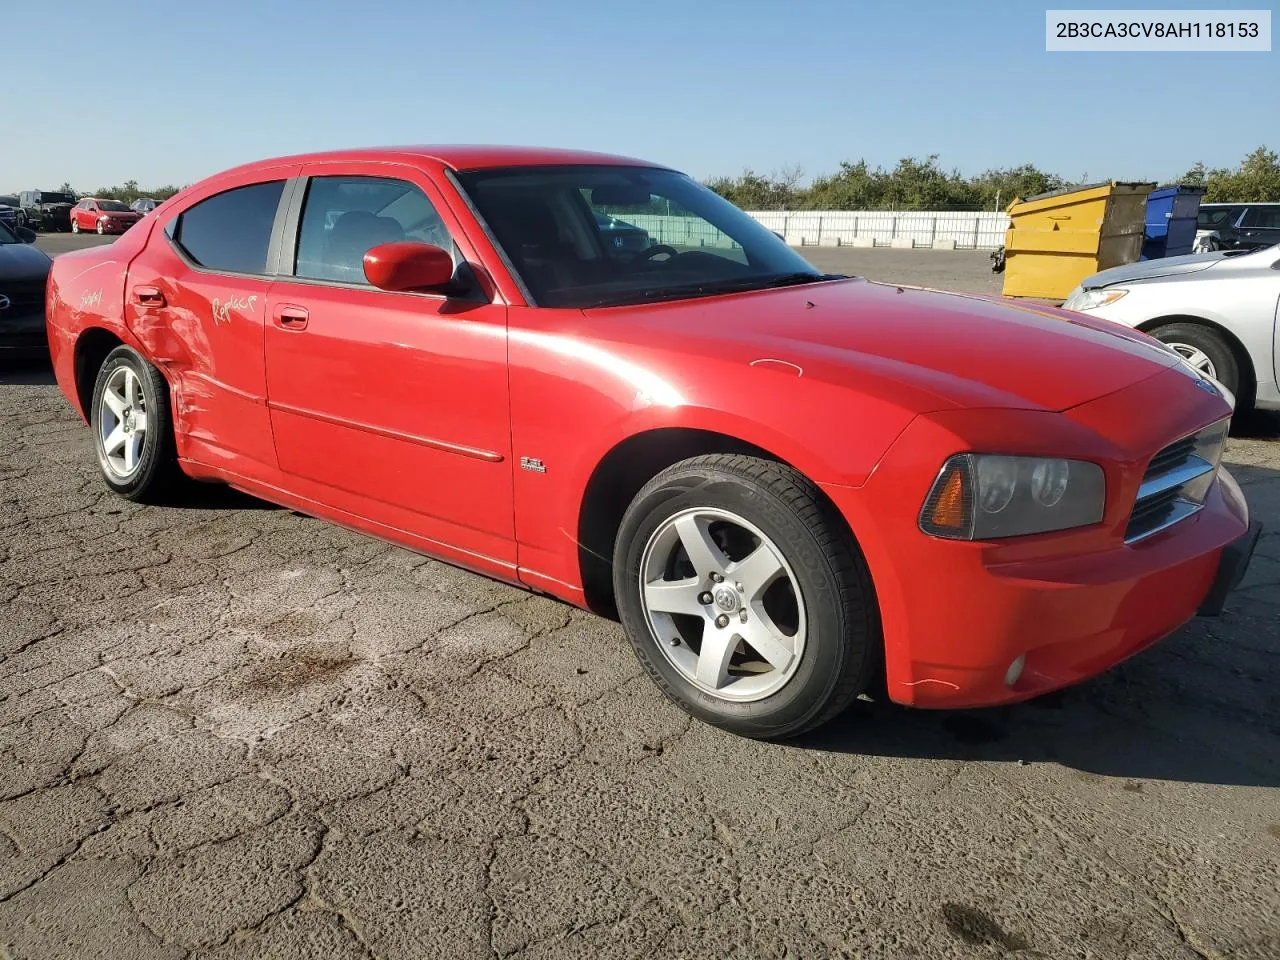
x,y
172,91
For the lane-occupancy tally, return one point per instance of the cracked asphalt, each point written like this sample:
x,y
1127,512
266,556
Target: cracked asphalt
x,y
231,731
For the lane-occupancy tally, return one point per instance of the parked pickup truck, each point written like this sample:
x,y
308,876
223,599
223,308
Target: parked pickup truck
x,y
45,209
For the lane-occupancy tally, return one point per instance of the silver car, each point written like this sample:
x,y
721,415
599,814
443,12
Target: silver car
x,y
1218,310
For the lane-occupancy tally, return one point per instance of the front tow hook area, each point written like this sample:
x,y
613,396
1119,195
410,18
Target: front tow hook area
x,y
1232,567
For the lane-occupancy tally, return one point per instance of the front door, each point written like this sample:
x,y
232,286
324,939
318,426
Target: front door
x,y
390,406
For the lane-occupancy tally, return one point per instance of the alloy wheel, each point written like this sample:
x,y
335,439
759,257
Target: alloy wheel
x,y
723,604
1196,357
122,423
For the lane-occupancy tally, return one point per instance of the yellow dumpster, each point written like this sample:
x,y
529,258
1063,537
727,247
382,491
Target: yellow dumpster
x,y
1057,239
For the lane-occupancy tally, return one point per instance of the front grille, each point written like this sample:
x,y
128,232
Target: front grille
x,y
25,296
1176,482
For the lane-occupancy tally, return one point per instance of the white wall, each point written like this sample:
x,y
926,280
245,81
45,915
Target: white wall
x,y
980,231
975,230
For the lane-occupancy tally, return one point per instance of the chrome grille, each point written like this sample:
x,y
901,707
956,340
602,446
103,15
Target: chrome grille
x,y
1177,481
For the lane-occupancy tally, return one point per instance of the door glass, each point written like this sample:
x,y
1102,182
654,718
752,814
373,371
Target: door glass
x,y
230,232
344,217
1266,218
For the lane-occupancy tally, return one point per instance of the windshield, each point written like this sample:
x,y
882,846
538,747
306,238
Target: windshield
x,y
112,205
8,201
55,198
7,235
672,238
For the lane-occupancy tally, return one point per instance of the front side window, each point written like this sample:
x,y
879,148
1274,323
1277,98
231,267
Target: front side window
x,y
588,235
343,217
230,232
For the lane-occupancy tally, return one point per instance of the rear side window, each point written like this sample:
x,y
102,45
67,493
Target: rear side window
x,y
230,232
1215,218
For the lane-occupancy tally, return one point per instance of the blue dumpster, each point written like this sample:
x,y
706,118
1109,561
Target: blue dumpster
x,y
1171,221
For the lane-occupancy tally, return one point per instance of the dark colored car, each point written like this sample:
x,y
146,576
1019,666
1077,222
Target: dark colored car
x,y
1237,226
9,209
45,209
24,269
621,235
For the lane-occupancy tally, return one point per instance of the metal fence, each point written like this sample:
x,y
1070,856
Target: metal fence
x,y
980,230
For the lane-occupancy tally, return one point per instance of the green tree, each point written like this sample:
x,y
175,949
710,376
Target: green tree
x,y
1256,179
1196,176
755,191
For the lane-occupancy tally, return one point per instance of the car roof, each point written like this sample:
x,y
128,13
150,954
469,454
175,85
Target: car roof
x,y
458,157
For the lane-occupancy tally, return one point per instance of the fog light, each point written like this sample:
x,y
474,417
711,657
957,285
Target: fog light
x,y
1015,671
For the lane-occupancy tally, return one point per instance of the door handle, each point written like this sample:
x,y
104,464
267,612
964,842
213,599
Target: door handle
x,y
291,318
148,297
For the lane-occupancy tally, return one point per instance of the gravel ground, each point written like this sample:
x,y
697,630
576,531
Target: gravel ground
x,y
230,731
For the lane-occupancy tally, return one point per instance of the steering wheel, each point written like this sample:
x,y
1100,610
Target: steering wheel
x,y
658,248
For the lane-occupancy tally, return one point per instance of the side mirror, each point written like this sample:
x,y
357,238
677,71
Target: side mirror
x,y
25,234
407,265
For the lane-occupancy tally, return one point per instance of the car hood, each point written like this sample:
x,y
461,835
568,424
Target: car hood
x,y
21,261
1150,269
953,349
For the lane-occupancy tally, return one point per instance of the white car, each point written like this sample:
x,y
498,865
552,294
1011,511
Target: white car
x,y
1218,310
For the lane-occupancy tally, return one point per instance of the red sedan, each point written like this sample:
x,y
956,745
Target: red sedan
x,y
104,216
785,484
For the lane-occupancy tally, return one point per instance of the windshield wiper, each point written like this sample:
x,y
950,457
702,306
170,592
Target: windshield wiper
x,y
712,288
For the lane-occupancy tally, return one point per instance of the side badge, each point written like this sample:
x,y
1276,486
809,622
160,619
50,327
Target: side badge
x,y
534,464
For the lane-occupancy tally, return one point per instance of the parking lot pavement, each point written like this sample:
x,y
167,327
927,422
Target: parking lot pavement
x,y
231,731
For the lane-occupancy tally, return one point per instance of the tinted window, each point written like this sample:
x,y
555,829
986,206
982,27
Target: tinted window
x,y
1214,218
231,231
1265,217
344,216
587,235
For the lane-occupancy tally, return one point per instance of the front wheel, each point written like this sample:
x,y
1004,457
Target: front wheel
x,y
1206,350
745,597
133,429
101,228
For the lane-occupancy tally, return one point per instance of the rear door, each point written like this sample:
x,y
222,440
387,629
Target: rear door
x,y
391,406
196,296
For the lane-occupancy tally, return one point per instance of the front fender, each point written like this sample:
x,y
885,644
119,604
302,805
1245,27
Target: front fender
x,y
575,400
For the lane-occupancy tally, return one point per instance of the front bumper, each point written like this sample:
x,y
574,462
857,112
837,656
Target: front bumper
x,y
1232,566
978,624
24,336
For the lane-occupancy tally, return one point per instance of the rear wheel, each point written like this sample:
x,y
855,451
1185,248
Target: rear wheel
x,y
133,429
75,225
1206,350
744,596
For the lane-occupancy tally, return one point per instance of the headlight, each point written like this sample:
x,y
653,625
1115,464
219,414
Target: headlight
x,y
986,497
1082,299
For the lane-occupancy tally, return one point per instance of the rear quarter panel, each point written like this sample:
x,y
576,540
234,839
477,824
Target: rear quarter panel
x,y
86,291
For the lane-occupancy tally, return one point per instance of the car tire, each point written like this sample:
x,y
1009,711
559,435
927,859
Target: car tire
x,y
145,468
75,225
101,228
1209,352
819,607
